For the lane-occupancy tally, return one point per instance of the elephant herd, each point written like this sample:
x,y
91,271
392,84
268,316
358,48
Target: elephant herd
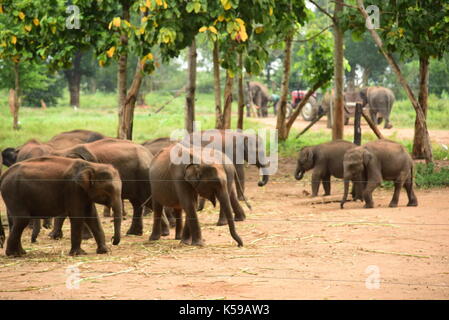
x,y
73,171
65,176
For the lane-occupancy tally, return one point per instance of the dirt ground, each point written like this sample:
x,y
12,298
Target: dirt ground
x,y
293,249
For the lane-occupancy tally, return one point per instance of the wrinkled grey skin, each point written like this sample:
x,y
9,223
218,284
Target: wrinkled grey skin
x,y
377,161
178,186
56,186
261,97
33,148
380,101
326,160
131,160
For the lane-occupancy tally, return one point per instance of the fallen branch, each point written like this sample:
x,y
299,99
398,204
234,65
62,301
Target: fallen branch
x,y
395,253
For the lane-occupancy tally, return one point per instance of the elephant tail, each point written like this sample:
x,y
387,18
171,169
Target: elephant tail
x,y
240,190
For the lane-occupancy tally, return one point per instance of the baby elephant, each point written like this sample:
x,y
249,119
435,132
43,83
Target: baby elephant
x,y
376,161
326,160
56,186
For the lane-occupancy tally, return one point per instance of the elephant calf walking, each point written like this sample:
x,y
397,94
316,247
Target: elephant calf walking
x,y
376,161
326,160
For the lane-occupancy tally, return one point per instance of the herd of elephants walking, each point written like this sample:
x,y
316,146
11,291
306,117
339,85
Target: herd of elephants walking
x,y
67,175
378,100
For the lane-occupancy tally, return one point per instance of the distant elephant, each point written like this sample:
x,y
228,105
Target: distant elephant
x,y
380,101
377,161
240,147
131,160
177,184
56,186
326,160
261,97
326,102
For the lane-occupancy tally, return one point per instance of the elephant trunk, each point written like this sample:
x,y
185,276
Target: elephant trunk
x,y
264,176
299,174
117,210
345,195
225,205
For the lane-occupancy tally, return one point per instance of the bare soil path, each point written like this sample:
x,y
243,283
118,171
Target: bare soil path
x,y
291,251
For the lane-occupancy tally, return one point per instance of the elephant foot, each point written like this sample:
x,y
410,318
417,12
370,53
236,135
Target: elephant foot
x,y
102,249
368,205
77,252
222,222
240,218
55,234
326,194
198,243
154,237
187,241
178,237
15,252
393,205
165,232
413,203
389,126
135,230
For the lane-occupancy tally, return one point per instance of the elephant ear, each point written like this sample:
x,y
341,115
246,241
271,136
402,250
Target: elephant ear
x,y
83,175
81,152
192,174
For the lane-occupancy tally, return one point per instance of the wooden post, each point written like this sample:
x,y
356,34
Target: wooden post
x,y
357,128
310,125
190,90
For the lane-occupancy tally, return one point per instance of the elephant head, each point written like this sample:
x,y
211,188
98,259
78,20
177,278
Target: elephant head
x,y
306,161
359,166
364,95
78,152
102,184
211,182
9,156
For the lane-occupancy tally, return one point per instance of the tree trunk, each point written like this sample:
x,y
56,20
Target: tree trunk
x,y
126,125
420,117
241,97
227,108
280,125
365,76
419,150
121,73
191,87
73,77
15,124
217,88
338,123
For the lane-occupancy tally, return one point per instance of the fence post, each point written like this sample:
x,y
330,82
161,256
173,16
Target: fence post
x,y
357,128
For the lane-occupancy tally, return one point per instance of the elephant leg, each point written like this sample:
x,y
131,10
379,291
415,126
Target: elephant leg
x,y
136,224
387,124
106,212
240,170
14,244
201,204
316,180
397,190
368,193
2,234
170,216
76,230
56,233
192,222
157,226
36,229
94,224
412,200
373,115
326,180
47,223
186,236
239,213
87,233
165,225
177,214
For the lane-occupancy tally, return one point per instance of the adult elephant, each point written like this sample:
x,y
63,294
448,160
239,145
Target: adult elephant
x,y
131,160
156,145
260,96
380,101
56,186
178,176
